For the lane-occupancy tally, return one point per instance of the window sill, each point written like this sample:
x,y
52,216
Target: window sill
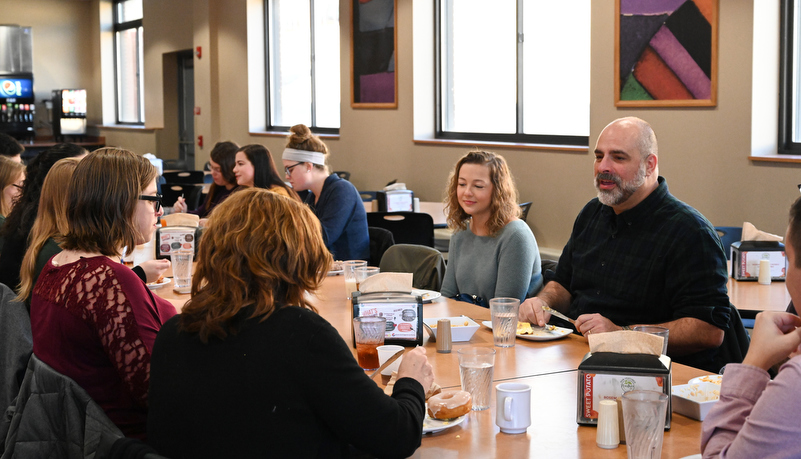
x,y
777,159
285,134
126,127
516,146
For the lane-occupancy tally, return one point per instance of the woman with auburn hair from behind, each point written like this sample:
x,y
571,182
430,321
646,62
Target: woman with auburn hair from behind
x,y
92,318
267,374
492,252
51,222
254,167
335,201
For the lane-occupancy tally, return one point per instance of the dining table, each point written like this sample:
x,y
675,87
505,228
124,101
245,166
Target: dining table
x,y
549,367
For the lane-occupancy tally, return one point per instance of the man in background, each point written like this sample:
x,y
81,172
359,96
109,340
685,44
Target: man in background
x,y
10,147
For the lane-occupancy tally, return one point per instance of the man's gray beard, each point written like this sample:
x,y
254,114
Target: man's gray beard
x,y
623,191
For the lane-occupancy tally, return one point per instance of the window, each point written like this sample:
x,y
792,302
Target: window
x,y
790,79
303,64
513,74
128,51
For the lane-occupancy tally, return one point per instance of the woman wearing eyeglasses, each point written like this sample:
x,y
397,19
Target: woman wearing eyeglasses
x,y
221,161
12,174
92,318
335,201
254,167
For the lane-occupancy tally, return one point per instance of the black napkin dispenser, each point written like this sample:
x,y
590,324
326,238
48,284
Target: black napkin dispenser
x,y
745,257
403,311
608,375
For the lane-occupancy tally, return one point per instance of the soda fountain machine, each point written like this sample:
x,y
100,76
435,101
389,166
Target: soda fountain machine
x,y
69,112
17,107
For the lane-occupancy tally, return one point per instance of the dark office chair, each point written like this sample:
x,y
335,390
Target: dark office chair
x,y
368,196
190,177
191,193
173,164
735,342
380,240
345,175
524,208
425,263
728,235
406,227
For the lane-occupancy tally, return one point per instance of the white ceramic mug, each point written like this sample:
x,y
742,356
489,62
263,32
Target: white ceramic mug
x,y
385,352
513,407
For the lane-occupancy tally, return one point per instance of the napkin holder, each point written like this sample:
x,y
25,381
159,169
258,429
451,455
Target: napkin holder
x,y
403,311
395,201
608,375
747,254
172,238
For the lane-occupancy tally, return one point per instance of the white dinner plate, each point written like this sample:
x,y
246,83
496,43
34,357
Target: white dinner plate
x,y
716,379
431,425
540,334
428,295
155,285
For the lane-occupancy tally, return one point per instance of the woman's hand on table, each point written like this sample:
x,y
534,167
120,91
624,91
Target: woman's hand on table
x,y
179,206
154,269
415,365
776,335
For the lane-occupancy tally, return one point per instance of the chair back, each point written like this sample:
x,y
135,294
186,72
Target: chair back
x,y
406,227
16,346
425,263
380,240
55,417
345,175
524,208
728,235
190,177
368,196
191,193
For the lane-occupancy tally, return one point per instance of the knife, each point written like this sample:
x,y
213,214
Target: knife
x,y
389,361
558,314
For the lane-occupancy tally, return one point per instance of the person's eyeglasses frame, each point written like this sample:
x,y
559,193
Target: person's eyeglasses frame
x,y
288,169
156,199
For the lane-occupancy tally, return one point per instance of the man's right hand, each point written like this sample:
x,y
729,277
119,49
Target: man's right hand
x,y
775,336
531,311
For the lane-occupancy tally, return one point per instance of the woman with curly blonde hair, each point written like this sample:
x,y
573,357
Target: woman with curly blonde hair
x,y
492,252
236,362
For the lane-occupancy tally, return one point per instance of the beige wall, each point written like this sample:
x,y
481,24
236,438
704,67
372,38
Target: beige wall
x,y
703,151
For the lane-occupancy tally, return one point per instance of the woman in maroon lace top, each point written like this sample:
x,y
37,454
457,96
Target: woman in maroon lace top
x,y
92,318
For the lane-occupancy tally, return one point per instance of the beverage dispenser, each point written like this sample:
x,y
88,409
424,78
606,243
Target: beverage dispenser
x,y
17,107
69,112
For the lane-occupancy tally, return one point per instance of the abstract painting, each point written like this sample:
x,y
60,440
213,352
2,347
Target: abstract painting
x,y
666,53
373,48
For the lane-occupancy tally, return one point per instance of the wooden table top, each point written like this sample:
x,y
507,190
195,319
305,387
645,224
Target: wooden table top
x,y
549,367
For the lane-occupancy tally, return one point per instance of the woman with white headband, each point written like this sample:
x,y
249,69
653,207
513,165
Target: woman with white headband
x,y
335,201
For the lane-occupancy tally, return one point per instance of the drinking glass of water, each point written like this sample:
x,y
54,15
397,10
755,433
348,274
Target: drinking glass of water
x,y
476,366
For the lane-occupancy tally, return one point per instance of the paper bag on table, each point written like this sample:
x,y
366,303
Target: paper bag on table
x,y
387,282
625,342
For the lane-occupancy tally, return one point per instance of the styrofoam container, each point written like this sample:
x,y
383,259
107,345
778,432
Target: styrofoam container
x,y
462,328
695,400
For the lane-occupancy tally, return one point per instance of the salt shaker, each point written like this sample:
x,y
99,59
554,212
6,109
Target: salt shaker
x,y
444,336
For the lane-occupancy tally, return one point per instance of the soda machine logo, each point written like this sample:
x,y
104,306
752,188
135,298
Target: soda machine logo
x,y
10,88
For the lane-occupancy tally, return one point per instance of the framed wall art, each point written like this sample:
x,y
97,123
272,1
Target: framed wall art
x,y
666,53
374,79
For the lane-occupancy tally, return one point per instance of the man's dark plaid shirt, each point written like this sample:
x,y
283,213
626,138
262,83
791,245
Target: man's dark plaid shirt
x,y
657,262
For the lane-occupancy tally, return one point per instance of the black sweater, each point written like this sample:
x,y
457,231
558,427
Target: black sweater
x,y
288,386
